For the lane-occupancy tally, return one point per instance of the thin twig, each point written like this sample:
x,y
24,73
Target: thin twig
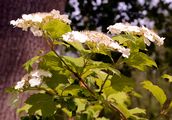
x,y
103,84
116,109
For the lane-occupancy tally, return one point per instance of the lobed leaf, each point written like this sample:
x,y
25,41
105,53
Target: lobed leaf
x,y
56,28
42,102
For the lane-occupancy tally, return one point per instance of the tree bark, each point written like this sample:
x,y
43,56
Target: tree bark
x,y
16,47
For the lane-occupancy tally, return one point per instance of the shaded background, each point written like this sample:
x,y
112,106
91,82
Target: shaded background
x,y
17,46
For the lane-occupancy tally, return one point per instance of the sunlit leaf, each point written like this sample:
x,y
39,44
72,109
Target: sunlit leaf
x,y
56,28
76,64
72,90
24,108
137,111
140,61
157,92
119,97
94,110
102,118
166,76
81,104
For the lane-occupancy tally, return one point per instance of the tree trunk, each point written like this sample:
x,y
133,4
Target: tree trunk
x,y
17,46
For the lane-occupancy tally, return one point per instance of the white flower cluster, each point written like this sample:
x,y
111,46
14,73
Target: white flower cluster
x,y
97,38
34,79
34,20
143,31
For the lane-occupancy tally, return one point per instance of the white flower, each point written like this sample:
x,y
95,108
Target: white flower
x,y
40,73
35,81
75,36
37,18
19,85
114,45
34,20
36,31
56,15
27,17
13,22
151,36
120,27
97,38
142,31
125,51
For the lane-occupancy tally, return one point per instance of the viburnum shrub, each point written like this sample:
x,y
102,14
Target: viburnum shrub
x,y
85,83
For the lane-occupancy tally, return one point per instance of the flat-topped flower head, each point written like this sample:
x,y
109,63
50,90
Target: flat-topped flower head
x,y
75,36
34,20
121,27
97,38
149,36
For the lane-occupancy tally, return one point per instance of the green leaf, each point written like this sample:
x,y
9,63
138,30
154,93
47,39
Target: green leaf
x,y
119,98
42,102
79,46
81,104
108,91
76,64
122,83
56,28
137,111
123,109
157,92
28,65
95,65
102,76
72,90
56,79
122,39
24,108
166,76
51,62
94,110
140,61
102,118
